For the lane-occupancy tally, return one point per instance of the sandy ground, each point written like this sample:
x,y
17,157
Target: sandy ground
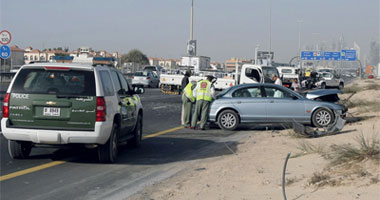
x,y
255,170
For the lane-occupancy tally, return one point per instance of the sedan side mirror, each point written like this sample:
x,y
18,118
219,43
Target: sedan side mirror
x,y
294,97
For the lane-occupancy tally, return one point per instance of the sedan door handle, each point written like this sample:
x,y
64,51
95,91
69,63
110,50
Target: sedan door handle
x,y
272,101
239,102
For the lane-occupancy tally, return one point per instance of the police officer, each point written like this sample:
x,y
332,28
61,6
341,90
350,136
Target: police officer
x,y
204,93
185,81
188,100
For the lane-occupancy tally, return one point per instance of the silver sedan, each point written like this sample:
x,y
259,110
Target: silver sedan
x,y
270,103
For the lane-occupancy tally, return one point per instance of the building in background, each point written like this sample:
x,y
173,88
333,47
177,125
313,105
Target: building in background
x,y
17,56
230,64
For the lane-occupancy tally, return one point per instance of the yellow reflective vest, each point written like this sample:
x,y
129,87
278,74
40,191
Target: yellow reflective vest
x,y
204,91
189,92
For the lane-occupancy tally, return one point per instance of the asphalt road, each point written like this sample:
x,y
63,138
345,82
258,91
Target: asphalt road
x,y
81,177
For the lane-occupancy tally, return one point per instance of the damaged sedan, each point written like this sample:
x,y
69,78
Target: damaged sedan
x,y
270,103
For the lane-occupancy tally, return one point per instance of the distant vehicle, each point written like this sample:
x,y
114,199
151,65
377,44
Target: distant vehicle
x,y
330,80
146,79
270,103
371,76
62,104
288,74
326,70
157,69
250,73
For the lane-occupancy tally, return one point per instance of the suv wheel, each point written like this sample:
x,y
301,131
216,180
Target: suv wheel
x,y
228,120
323,86
137,134
107,153
19,149
322,117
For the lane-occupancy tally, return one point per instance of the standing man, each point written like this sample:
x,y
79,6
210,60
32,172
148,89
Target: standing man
x,y
188,100
296,86
277,81
204,93
185,81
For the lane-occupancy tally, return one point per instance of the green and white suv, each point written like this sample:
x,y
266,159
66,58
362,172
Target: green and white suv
x,y
52,103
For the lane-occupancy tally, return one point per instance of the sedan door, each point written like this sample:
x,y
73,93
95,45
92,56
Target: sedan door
x,y
250,104
283,106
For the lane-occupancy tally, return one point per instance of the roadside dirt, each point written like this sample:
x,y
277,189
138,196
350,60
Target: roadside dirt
x,y
255,170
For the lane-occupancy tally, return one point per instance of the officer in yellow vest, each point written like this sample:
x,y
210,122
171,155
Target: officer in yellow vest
x,y
204,93
188,99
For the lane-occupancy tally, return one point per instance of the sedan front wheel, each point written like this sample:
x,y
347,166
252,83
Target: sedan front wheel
x,y
228,120
322,117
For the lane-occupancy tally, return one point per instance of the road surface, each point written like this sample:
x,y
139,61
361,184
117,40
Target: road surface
x,y
75,174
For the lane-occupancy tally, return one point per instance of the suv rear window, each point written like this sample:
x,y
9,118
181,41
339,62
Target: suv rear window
x,y
41,81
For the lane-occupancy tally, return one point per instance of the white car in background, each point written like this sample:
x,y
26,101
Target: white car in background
x,y
288,74
330,80
146,79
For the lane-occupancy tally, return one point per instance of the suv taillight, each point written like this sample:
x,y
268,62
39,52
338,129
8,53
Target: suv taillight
x,y
100,109
148,77
6,106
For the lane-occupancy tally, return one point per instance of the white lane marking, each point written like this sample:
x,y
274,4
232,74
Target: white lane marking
x,y
159,107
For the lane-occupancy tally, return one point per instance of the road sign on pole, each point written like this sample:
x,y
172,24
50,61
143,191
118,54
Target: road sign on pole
x,y
331,55
344,55
348,55
5,52
5,37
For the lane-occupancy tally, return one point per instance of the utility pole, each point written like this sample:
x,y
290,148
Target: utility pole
x,y
191,20
270,26
299,40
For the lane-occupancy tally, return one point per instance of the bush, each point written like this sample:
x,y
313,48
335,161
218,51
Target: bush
x,y
373,86
366,149
351,89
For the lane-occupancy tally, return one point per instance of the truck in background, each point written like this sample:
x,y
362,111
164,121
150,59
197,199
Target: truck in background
x,y
288,74
249,73
198,63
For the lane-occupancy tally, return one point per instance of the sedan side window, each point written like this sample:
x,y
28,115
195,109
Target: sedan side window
x,y
248,92
277,93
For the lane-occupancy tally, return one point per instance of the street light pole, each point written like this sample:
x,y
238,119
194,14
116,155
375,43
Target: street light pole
x,y
191,19
299,40
270,27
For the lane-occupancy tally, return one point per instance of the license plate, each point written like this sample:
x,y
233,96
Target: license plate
x,y
52,111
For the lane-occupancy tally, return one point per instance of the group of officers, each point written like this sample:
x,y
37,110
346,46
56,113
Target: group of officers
x,y
201,94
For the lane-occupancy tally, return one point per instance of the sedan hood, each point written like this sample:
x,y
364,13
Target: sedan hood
x,y
324,95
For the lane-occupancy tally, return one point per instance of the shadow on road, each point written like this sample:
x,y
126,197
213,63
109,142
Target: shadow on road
x,y
154,151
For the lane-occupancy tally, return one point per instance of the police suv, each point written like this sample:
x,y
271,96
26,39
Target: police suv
x,y
62,104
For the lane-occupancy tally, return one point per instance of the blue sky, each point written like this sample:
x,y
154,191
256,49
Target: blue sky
x,y
223,28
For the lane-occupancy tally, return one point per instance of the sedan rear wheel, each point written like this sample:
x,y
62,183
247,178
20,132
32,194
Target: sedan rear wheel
x,y
322,117
228,120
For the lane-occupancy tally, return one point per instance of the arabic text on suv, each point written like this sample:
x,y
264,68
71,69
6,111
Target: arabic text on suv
x,y
50,103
